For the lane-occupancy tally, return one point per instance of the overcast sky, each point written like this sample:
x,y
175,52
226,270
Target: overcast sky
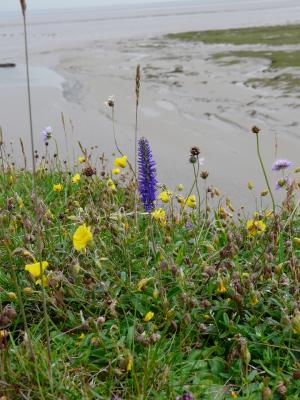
x,y
13,5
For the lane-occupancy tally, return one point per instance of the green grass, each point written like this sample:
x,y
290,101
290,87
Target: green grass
x,y
219,296
278,59
286,82
269,35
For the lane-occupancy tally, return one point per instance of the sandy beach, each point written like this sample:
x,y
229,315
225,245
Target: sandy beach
x,y
79,58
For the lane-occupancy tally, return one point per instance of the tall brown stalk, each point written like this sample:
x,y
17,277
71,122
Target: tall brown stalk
x,y
36,205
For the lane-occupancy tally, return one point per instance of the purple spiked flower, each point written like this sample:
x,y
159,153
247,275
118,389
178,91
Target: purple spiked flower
x,y
281,164
147,175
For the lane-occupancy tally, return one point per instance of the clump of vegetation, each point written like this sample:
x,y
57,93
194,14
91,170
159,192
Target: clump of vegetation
x,y
115,287
269,35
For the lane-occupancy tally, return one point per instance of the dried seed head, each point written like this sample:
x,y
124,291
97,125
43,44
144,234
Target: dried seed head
x,y
195,151
204,174
255,129
23,6
89,171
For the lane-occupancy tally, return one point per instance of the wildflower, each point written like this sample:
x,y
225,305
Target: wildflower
x,y
35,269
81,237
58,187
233,395
165,196
221,286
111,185
281,164
254,300
121,162
149,316
81,159
115,171
142,283
159,215
269,214
195,151
110,102
27,291
76,178
80,338
264,193
255,227
250,185
147,175
186,396
191,201
283,182
12,296
45,281
129,363
89,171
46,134
180,187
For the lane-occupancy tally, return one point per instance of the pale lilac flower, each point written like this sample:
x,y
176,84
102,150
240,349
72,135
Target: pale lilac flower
x,y
281,164
46,134
283,182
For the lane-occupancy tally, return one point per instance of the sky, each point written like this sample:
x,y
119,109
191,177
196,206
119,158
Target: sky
x,y
14,5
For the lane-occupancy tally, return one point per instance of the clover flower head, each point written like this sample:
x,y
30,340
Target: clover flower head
x,y
281,164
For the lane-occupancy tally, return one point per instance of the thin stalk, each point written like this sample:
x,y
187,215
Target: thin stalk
x,y
264,172
23,6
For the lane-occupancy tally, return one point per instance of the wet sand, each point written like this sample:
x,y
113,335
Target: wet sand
x,y
187,98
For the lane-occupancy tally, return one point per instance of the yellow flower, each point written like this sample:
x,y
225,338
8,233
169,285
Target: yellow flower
x,y
254,300
58,187
129,363
35,269
81,159
159,215
81,237
191,201
142,283
221,287
121,162
45,281
233,395
80,338
250,185
149,316
115,171
269,214
255,227
111,185
76,178
165,196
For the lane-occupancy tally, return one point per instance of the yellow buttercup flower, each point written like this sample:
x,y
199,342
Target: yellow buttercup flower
x,y
45,281
191,201
111,185
121,162
81,159
165,196
159,215
35,269
129,363
255,227
143,283
58,187
81,237
149,316
254,300
76,178
221,286
115,171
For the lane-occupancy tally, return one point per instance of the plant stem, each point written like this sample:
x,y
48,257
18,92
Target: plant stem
x,y
265,174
